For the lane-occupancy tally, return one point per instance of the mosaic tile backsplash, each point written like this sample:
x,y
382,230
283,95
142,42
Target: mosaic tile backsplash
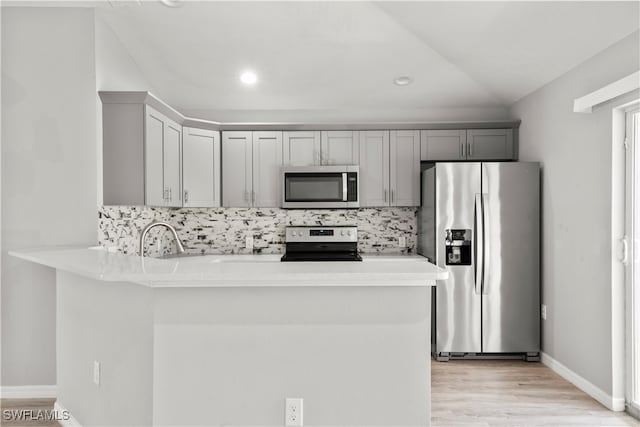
x,y
224,230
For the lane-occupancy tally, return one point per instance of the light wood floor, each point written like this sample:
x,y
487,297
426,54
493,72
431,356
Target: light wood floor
x,y
512,393
480,394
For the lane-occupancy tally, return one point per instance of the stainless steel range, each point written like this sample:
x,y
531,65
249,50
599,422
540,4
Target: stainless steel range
x,y
317,243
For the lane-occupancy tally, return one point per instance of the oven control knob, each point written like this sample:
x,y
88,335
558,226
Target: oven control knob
x,y
293,233
342,232
349,233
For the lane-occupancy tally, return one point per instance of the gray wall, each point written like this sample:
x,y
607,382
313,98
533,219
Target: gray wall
x,y
48,172
575,152
230,356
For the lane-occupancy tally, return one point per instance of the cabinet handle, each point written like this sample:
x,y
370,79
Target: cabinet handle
x,y
186,196
470,149
386,195
170,195
392,195
253,197
462,150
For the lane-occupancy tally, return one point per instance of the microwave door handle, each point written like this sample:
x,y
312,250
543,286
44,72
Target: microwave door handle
x,y
344,186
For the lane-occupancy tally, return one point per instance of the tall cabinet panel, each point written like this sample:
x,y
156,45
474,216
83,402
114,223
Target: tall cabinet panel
x,y
236,168
267,169
163,141
301,148
172,163
404,165
201,167
374,168
339,148
155,191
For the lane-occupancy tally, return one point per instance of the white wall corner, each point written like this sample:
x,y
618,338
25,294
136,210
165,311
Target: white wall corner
x,y
610,402
64,417
625,85
29,392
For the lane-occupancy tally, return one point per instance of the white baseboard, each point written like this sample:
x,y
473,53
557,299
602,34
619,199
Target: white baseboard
x,y
611,403
63,413
29,392
633,410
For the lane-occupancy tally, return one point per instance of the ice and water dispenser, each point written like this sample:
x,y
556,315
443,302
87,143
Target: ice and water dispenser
x,y
458,246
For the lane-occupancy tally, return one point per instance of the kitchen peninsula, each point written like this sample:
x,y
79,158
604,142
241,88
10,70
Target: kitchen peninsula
x,y
225,339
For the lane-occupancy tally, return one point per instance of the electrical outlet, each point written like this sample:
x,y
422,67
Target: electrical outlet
x,y
543,311
293,412
96,372
402,241
249,242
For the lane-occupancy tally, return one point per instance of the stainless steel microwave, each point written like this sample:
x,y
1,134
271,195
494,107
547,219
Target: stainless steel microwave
x,y
320,187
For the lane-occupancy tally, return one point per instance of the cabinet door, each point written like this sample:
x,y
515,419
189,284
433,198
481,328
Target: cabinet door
x,y
374,168
490,144
236,169
443,145
267,169
200,167
404,167
301,148
155,192
172,163
339,148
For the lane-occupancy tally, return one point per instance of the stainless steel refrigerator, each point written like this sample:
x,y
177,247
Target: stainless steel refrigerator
x,y
481,221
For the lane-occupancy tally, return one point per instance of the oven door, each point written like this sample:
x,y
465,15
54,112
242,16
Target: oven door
x,y
316,190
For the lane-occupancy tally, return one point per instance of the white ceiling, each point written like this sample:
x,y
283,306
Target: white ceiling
x,y
342,57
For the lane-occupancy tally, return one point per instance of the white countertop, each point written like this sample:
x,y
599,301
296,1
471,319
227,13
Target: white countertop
x,y
236,270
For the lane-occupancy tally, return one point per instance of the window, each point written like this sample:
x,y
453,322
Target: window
x,y
631,259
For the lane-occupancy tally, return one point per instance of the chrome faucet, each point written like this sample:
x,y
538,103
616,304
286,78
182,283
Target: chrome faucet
x,y
170,227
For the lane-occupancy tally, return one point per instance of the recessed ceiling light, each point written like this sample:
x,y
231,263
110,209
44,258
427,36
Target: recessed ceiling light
x,y
403,80
248,78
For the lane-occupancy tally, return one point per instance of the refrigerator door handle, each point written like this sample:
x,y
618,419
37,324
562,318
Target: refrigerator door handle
x,y
478,225
486,231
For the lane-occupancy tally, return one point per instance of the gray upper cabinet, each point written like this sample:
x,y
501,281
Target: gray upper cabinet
x,y
267,169
436,145
251,168
490,144
404,167
162,163
314,148
374,168
470,144
141,152
389,168
236,168
339,148
301,148
200,167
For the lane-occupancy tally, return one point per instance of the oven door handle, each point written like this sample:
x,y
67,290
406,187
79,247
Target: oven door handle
x,y
344,186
